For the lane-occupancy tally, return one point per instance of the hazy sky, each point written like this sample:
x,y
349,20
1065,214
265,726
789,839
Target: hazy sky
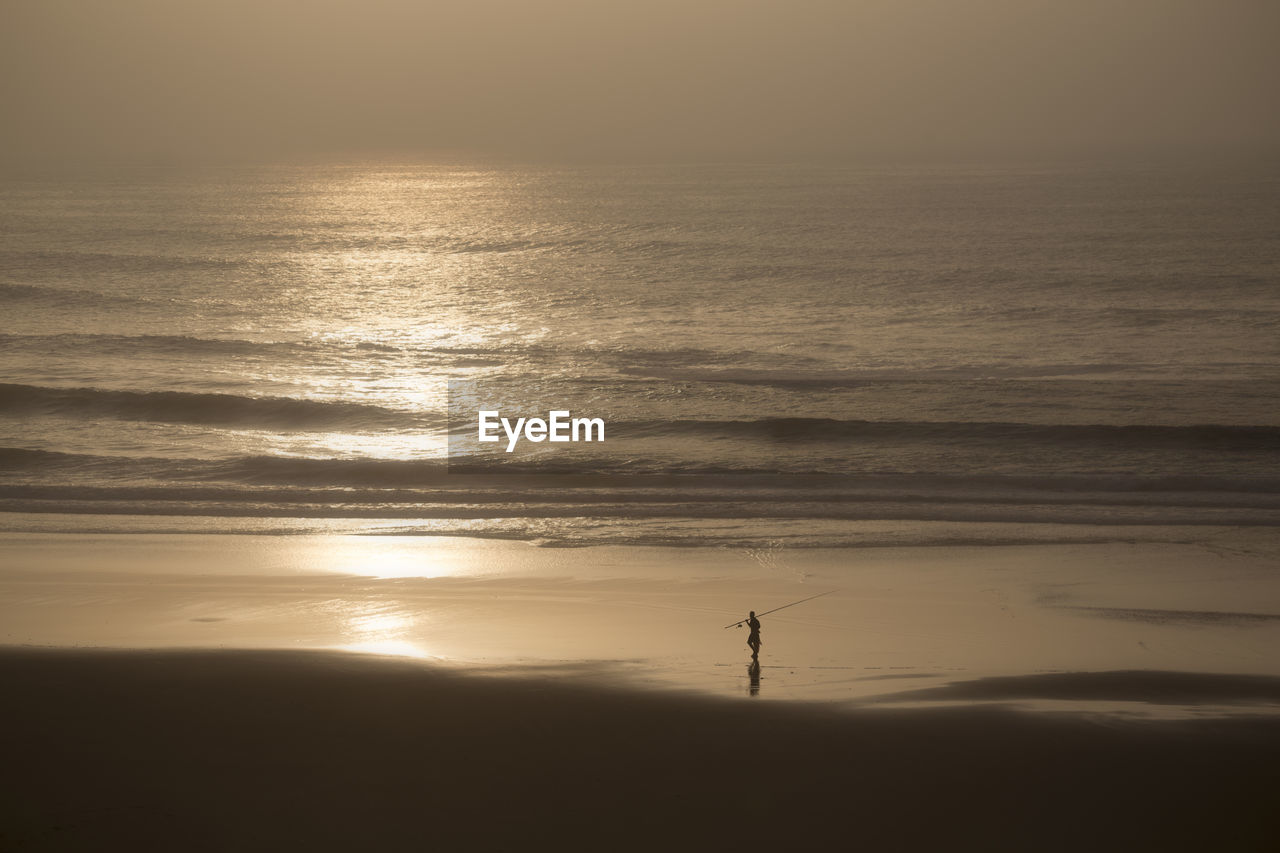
x,y
178,80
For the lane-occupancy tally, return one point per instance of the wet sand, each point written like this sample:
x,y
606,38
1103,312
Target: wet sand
x,y
245,750
897,618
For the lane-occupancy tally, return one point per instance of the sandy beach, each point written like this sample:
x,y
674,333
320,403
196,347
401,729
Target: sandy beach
x,y
256,692
326,751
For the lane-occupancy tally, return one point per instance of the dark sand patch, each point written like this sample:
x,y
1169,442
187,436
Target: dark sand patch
x,y
1160,688
1172,617
304,751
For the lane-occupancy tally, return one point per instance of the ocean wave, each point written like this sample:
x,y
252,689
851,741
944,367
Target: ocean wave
x,y
752,535
636,510
200,408
772,378
819,377
113,262
410,479
61,297
1205,436
454,356
522,495
159,344
618,354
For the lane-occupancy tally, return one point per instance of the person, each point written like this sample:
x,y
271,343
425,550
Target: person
x,y
753,639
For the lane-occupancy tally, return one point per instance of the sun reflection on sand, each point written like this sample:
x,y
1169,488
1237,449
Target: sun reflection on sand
x,y
390,648
388,558
404,563
378,631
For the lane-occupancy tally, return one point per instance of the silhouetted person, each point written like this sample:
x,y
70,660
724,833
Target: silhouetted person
x,y
753,639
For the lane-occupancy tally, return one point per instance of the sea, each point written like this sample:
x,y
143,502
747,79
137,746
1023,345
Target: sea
x,y
782,355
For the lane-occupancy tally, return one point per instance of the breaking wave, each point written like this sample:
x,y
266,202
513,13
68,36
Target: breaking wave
x,y
200,408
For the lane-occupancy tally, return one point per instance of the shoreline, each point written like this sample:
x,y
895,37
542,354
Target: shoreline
x,y
268,750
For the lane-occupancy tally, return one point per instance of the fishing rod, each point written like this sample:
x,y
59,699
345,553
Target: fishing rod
x,y
785,606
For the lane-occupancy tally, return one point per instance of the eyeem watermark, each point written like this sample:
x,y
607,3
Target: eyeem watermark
x,y
539,429
559,426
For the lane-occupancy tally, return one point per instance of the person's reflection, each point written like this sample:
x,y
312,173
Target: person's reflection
x,y
753,673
